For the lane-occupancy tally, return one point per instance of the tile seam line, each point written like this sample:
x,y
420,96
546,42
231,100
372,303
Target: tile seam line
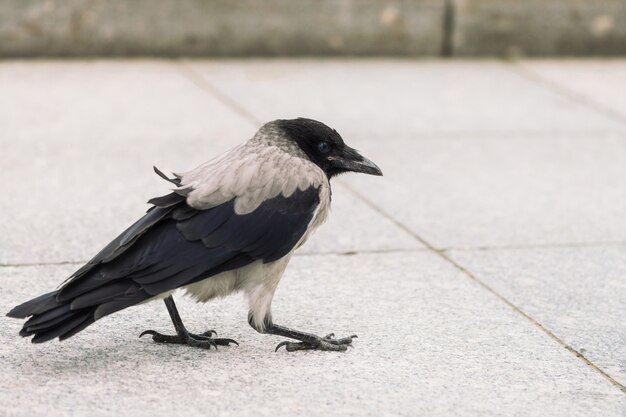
x,y
53,263
441,253
523,71
556,245
380,251
340,253
186,69
565,245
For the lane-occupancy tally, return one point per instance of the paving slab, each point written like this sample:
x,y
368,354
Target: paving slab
x,y
79,140
599,81
432,342
579,294
480,191
133,102
387,99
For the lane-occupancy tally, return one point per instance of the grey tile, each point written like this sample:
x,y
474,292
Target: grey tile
x,y
388,99
432,342
579,294
134,103
600,81
475,191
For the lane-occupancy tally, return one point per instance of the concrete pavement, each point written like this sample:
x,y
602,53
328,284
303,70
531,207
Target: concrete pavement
x,y
484,273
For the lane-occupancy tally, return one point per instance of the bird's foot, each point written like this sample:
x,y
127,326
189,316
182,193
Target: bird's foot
x,y
327,342
203,340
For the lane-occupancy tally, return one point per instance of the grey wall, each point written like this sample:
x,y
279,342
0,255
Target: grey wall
x,y
540,27
311,27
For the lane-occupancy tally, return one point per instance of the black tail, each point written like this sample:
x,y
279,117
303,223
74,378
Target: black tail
x,y
51,318
101,287
106,284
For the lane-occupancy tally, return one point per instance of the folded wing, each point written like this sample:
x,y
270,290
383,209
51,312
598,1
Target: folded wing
x,y
172,245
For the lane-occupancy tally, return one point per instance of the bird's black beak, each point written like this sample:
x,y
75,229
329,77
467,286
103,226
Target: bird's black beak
x,y
351,160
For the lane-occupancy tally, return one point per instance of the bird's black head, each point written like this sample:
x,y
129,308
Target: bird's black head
x,y
325,147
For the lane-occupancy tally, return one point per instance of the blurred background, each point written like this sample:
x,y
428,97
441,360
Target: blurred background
x,y
484,273
407,28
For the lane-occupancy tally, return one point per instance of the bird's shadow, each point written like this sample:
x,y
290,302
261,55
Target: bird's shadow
x,y
80,356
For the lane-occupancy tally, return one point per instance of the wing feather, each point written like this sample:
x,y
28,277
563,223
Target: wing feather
x,y
173,253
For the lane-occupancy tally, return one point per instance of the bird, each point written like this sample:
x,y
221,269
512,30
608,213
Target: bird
x,y
230,225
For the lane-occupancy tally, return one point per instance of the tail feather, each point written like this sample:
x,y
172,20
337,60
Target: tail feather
x,y
52,314
30,329
64,327
47,319
89,320
51,318
37,305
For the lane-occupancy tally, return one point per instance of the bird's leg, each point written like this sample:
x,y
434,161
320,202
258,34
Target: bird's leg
x,y
183,336
307,341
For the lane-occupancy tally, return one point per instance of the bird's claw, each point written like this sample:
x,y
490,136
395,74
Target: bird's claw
x,y
326,343
203,340
150,332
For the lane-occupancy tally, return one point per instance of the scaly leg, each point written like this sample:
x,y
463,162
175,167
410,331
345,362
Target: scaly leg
x,y
183,337
308,341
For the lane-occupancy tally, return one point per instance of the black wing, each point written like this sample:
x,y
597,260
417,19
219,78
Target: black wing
x,y
171,246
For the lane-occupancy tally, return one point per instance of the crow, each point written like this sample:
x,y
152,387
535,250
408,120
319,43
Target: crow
x,y
231,224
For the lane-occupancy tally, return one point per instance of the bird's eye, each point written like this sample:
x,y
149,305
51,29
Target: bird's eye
x,y
323,147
